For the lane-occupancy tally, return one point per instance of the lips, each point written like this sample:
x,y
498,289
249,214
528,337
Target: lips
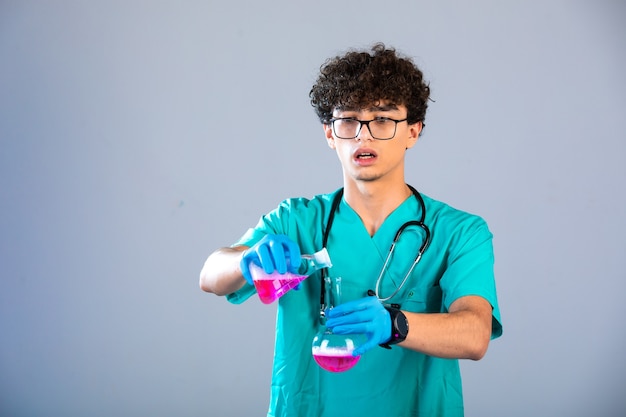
x,y
364,154
364,157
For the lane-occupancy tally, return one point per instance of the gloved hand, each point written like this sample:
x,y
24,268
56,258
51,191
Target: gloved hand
x,y
367,316
272,253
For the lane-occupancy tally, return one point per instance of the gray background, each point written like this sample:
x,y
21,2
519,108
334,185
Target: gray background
x,y
137,137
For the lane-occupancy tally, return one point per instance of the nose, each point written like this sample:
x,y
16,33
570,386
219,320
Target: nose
x,y
364,132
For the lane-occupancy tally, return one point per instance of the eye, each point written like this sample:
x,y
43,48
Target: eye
x,y
382,120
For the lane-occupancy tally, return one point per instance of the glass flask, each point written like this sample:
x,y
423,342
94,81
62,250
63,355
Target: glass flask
x,y
333,352
271,287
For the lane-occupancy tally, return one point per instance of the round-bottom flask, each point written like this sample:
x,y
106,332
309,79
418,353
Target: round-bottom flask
x,y
333,352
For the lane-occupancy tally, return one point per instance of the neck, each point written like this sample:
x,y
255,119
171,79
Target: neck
x,y
374,201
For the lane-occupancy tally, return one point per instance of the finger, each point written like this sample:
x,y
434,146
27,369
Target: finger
x,y
278,255
265,257
363,316
293,250
352,306
364,347
352,328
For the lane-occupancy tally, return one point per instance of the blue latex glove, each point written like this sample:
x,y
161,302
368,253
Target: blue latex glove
x,y
272,253
367,316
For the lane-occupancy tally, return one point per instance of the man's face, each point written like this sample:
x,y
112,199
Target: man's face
x,y
365,158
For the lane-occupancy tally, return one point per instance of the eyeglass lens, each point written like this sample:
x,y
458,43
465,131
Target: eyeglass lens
x,y
379,128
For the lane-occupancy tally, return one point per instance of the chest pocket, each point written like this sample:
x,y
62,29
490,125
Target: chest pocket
x,y
424,300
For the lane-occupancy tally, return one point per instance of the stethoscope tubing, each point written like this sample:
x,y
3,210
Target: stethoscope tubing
x,y
419,223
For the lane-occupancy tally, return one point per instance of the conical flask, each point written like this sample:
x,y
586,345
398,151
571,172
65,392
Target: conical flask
x,y
333,352
271,287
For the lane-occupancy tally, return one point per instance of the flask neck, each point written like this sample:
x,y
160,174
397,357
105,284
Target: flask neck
x,y
314,262
332,287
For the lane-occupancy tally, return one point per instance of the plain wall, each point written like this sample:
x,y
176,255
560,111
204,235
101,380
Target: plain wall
x,y
138,136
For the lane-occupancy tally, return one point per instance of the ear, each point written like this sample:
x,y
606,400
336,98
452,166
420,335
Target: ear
x,y
414,134
328,133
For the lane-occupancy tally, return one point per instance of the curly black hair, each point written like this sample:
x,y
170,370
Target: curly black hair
x,y
360,79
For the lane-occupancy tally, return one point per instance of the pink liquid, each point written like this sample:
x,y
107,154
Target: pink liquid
x,y
335,360
273,286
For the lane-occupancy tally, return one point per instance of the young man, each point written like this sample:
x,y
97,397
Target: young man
x,y
425,316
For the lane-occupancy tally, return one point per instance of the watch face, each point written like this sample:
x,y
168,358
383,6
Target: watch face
x,y
399,327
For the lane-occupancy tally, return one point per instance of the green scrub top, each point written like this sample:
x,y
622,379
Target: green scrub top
x,y
396,382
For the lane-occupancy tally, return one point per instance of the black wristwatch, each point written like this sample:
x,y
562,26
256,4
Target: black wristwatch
x,y
399,327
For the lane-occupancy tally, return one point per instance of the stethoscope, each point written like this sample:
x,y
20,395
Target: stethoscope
x,y
420,252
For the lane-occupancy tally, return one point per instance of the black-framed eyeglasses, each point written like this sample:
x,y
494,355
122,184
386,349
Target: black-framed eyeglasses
x,y
381,128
